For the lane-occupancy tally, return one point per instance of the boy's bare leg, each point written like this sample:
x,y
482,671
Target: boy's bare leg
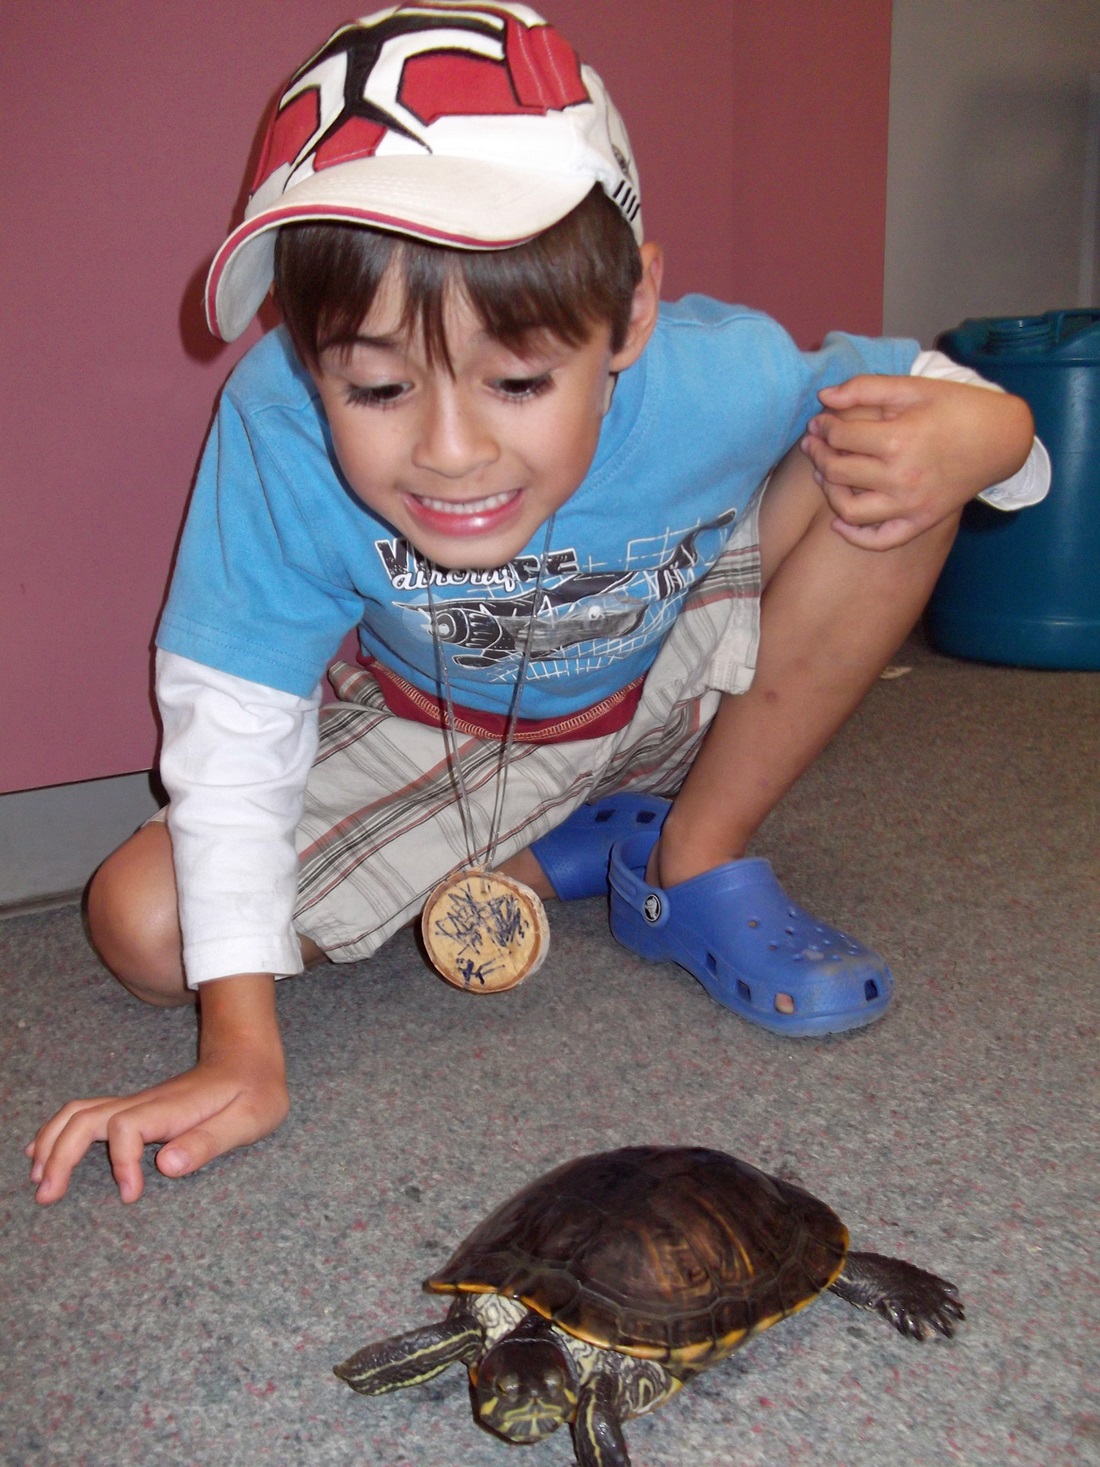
x,y
832,615
134,923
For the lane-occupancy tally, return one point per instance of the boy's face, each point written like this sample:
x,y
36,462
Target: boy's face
x,y
465,467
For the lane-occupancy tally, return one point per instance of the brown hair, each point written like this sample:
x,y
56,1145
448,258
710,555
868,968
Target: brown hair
x,y
578,274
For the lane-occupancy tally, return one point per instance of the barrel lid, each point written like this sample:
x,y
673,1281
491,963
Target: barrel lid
x,y
1062,336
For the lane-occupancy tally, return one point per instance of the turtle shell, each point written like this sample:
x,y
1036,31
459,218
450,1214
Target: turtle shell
x,y
676,1254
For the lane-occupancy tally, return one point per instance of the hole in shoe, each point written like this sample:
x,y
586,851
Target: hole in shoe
x,y
744,991
645,817
602,816
870,990
784,1003
712,965
752,922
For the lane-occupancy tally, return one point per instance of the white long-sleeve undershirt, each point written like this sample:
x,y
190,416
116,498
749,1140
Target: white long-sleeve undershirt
x,y
234,762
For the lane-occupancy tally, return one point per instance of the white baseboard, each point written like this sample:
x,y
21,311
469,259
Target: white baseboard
x,y
52,839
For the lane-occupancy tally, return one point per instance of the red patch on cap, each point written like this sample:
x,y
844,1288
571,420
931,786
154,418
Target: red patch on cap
x,y
540,73
544,67
358,138
452,84
290,130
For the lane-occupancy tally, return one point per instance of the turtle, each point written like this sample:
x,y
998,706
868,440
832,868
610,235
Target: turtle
x,y
602,1287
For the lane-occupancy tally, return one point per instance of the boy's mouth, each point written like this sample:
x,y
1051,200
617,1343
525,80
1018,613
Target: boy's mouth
x,y
464,516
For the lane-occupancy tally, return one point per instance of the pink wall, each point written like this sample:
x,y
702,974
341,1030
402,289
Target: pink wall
x,y
761,136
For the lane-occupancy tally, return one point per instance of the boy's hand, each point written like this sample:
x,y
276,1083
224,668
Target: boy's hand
x,y
234,1095
896,455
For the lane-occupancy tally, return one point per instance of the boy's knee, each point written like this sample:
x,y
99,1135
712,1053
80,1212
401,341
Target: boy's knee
x,y
133,920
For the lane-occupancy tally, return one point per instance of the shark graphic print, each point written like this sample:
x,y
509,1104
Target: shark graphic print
x,y
578,617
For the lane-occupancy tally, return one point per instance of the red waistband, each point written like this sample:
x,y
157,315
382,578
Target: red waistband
x,y
407,701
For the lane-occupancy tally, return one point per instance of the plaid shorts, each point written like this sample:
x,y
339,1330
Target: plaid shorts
x,y
382,825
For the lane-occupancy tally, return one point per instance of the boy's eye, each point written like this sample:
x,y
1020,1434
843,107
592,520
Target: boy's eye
x,y
380,396
519,388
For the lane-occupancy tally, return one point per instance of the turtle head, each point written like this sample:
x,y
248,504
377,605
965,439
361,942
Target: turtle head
x,y
526,1386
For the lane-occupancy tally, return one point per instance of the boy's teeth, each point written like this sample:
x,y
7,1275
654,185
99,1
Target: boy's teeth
x,y
467,506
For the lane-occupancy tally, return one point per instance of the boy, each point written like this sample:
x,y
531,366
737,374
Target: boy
x,y
479,441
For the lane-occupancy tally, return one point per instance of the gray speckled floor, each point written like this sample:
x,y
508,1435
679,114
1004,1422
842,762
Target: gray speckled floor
x,y
954,825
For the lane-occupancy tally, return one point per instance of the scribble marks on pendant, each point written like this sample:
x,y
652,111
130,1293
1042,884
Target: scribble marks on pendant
x,y
481,929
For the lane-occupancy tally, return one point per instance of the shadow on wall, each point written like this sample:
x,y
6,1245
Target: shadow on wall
x,y
199,342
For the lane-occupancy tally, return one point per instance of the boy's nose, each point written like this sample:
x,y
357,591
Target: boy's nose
x,y
453,439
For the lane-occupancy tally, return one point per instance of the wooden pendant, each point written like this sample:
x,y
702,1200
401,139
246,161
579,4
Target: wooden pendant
x,y
485,932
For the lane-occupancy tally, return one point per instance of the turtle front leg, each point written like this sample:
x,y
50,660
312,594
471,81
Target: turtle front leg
x,y
416,1356
915,1302
598,1439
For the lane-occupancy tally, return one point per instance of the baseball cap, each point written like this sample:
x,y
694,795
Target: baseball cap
x,y
467,124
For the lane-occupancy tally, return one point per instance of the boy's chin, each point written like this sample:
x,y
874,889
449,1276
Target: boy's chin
x,y
469,555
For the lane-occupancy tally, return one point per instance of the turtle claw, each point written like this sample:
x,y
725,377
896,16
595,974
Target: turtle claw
x,y
949,1314
932,1319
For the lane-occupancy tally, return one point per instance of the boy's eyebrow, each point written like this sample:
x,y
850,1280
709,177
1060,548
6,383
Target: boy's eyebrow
x,y
386,342
340,349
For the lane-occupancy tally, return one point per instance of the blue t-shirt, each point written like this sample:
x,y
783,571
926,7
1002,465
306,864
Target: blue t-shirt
x,y
279,559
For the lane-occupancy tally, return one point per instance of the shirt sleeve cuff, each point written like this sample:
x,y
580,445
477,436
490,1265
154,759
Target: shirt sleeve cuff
x,y
226,957
1028,485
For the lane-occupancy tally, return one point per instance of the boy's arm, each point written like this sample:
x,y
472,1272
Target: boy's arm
x,y
235,759
234,1095
896,455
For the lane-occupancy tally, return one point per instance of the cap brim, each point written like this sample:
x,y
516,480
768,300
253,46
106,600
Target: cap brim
x,y
448,201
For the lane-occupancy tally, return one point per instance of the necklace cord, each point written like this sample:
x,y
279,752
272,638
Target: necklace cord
x,y
450,732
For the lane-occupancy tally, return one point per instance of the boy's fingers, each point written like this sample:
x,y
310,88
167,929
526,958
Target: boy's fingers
x,y
128,1133
860,509
129,1178
853,474
126,1123
819,424
887,535
892,394
858,469
848,471
53,1174
878,438
43,1142
62,1142
198,1115
165,1119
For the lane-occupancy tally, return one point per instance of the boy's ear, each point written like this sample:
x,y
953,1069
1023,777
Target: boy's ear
x,y
643,308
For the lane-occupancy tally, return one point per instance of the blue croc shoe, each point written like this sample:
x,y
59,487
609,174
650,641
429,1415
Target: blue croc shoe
x,y
574,855
736,930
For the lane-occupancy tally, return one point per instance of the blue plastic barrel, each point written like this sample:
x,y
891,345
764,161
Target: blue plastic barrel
x,y
1024,588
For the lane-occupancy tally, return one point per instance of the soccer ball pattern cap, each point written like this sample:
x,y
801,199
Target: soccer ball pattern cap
x,y
466,124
